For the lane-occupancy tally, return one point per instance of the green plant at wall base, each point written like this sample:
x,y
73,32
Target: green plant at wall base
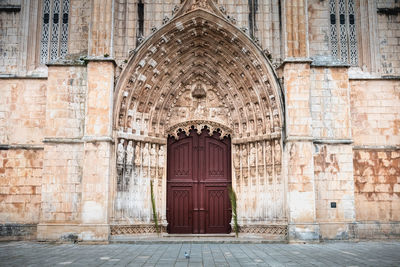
x,y
233,198
153,204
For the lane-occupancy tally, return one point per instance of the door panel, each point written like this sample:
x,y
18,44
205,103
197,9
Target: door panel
x,y
217,206
181,208
198,176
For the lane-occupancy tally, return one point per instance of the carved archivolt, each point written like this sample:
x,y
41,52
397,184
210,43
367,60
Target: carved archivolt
x,y
199,125
198,66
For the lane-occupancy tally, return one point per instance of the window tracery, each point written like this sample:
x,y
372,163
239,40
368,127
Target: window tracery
x,y
343,37
54,39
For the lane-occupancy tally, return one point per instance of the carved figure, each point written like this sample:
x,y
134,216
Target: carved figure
x,y
153,155
137,154
146,156
260,154
121,152
161,157
244,155
236,159
277,152
129,153
252,155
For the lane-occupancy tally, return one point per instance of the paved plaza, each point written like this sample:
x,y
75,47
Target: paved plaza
x,y
324,254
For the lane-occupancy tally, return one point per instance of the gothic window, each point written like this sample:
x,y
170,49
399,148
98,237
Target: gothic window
x,y
54,40
343,31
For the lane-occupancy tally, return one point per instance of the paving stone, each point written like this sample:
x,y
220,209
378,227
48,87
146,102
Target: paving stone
x,y
377,253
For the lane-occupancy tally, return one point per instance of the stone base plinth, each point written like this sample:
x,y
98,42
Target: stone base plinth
x,y
73,232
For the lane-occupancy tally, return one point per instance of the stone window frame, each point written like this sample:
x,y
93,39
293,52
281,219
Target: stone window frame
x,y
344,31
54,20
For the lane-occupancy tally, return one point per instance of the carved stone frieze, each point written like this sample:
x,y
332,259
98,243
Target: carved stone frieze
x,y
199,125
278,230
135,229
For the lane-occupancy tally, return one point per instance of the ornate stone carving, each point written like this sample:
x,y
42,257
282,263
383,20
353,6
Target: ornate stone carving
x,y
146,155
137,154
129,153
161,157
121,152
135,229
199,125
279,230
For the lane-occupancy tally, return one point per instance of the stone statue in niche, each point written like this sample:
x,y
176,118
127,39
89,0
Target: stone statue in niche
x,y
129,153
129,122
260,154
251,126
121,152
146,155
252,155
268,153
236,158
137,154
161,157
277,153
120,164
244,155
129,162
153,155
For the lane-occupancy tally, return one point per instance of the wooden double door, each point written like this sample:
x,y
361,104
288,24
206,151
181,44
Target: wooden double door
x,y
198,176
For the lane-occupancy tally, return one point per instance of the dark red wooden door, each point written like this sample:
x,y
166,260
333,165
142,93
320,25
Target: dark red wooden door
x,y
199,172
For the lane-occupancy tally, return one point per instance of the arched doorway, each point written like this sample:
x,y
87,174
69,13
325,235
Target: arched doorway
x,y
199,70
198,176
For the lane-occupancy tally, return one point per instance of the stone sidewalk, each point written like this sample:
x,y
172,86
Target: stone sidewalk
x,y
380,253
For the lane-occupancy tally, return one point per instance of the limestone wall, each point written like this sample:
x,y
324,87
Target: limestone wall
x,y
375,118
22,112
9,46
375,112
330,107
389,40
318,27
79,27
65,106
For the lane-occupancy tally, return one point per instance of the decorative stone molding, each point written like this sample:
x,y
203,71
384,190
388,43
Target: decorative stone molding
x,y
199,125
135,229
279,230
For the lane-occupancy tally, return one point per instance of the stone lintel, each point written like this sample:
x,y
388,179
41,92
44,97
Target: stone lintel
x,y
141,138
295,60
100,59
65,63
245,140
58,140
299,139
329,65
377,78
96,139
12,76
10,8
21,146
333,141
384,147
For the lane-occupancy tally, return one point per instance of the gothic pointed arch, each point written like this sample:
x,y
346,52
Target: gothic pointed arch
x,y
200,70
198,47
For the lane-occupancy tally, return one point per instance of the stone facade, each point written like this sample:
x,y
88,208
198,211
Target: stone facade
x,y
315,140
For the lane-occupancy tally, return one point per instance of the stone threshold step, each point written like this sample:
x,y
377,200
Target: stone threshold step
x,y
197,235
227,239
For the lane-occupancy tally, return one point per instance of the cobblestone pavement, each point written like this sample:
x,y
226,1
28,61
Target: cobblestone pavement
x,y
325,254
